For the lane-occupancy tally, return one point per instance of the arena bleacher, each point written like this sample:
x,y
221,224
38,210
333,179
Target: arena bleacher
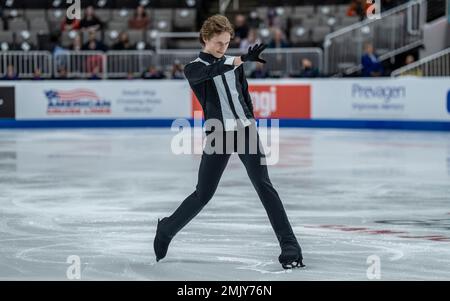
x,y
124,39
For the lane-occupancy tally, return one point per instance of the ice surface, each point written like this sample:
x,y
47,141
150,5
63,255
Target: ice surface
x,y
97,194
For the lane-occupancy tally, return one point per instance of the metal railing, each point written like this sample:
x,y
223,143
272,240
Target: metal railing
x,y
281,62
287,61
80,64
27,64
121,64
168,57
397,30
437,64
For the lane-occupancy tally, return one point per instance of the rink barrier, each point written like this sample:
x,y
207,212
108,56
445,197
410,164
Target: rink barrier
x,y
283,123
399,103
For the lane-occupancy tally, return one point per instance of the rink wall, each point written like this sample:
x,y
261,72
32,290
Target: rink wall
x,y
391,103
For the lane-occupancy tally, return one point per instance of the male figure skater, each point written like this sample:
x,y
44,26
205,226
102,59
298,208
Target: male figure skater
x,y
220,85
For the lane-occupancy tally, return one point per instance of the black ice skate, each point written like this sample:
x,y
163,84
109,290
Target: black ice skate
x,y
291,256
161,242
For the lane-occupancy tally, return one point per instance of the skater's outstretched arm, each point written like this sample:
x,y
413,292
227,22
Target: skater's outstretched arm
x,y
198,72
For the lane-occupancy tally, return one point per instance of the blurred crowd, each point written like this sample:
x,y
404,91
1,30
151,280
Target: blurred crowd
x,y
87,34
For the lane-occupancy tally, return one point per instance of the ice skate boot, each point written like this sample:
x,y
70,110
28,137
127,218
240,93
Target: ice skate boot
x,y
162,240
291,255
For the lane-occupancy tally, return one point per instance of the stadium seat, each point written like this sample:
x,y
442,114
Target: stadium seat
x,y
34,14
39,24
103,14
184,19
7,36
318,33
118,25
305,9
18,24
300,34
136,36
32,38
121,14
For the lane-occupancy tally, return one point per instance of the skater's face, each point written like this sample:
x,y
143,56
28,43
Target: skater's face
x,y
218,44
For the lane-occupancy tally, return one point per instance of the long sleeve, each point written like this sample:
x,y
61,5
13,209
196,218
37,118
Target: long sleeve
x,y
197,72
245,92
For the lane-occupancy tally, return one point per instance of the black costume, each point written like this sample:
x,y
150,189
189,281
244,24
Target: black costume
x,y
222,90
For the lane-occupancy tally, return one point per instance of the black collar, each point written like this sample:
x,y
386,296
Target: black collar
x,y
209,57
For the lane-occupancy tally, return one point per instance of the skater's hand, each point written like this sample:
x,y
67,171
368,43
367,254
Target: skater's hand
x,y
253,54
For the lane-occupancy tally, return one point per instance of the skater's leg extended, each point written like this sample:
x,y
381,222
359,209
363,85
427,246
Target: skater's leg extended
x,y
210,172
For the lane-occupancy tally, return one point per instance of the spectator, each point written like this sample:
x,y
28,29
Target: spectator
x,y
37,74
54,44
60,54
371,65
413,72
409,59
358,8
94,63
140,20
307,70
153,73
254,21
62,73
123,43
177,70
90,21
130,75
10,73
95,74
76,44
240,29
252,39
93,43
259,71
70,24
278,40
273,17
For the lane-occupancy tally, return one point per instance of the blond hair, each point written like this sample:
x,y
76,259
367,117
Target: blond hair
x,y
216,24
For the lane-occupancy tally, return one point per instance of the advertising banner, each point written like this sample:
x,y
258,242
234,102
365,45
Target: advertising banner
x,y
102,100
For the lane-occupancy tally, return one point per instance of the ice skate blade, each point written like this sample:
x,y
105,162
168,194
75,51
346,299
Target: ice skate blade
x,y
293,265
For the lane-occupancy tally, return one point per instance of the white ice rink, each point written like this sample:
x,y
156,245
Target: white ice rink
x,y
97,194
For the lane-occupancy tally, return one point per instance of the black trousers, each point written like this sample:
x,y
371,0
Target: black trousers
x,y
211,169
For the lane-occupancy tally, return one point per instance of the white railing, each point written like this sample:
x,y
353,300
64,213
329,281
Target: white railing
x,y
287,61
397,30
121,64
281,62
80,64
27,64
437,64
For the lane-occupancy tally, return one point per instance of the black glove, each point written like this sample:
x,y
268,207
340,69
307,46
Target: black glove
x,y
253,54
